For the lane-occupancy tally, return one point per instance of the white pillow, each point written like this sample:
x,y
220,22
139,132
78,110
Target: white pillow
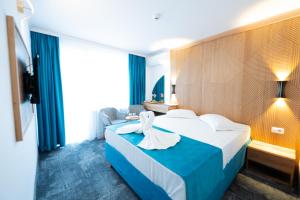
x,y
181,113
219,122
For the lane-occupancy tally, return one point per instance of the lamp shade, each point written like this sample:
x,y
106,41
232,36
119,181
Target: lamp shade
x,y
281,89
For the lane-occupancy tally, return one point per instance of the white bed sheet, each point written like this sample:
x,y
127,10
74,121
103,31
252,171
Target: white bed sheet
x,y
229,141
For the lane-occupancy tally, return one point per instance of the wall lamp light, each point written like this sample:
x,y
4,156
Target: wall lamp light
x,y
281,89
173,89
173,100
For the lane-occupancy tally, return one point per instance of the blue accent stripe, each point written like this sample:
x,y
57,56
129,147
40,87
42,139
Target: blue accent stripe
x,y
147,190
192,160
230,172
137,181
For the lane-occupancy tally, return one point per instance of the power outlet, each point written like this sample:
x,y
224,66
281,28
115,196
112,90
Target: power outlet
x,y
277,130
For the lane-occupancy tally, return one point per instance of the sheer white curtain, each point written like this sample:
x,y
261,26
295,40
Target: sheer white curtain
x,y
93,77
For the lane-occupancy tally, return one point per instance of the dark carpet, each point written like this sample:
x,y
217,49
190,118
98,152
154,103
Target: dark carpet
x,y
80,171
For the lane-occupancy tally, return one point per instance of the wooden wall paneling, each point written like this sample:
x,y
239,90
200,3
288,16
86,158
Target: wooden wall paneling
x,y
236,76
196,64
267,51
293,89
196,72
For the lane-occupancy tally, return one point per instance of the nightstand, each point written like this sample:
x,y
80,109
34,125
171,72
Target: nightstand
x,y
275,157
159,107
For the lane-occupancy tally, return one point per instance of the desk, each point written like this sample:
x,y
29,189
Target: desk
x,y
159,107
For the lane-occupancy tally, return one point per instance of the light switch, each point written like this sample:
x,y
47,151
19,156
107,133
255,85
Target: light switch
x,y
277,130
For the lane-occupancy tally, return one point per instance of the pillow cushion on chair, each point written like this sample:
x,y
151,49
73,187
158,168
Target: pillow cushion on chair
x,y
105,119
121,114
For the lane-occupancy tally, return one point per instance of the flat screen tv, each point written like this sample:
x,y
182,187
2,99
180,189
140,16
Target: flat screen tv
x,y
31,82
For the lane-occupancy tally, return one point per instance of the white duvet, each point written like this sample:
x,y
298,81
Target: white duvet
x,y
229,142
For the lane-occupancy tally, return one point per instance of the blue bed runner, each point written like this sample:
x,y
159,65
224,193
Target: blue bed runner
x,y
199,164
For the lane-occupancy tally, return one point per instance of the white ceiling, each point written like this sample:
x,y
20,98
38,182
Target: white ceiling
x,y
128,24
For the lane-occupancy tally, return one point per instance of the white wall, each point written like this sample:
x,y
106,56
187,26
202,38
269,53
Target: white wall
x,y
93,76
158,65
18,160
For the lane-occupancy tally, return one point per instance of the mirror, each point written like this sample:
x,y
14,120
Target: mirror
x,y
158,91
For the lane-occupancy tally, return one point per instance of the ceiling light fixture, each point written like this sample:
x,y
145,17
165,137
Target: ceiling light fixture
x,y
156,17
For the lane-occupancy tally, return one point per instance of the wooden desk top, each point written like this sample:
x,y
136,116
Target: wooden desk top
x,y
159,107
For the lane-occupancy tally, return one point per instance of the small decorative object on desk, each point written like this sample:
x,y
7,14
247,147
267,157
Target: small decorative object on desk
x,y
162,98
153,97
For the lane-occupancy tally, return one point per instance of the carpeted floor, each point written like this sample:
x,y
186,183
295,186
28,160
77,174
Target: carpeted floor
x,y
81,172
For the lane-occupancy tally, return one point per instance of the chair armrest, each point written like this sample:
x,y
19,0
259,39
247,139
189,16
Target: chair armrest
x,y
122,113
104,119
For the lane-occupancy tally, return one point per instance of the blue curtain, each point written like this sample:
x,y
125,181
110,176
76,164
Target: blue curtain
x,y
137,79
50,111
159,89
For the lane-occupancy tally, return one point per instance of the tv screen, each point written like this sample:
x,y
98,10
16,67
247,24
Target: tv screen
x,y
35,98
31,82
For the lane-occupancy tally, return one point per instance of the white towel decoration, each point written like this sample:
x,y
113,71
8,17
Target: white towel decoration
x,y
154,139
130,128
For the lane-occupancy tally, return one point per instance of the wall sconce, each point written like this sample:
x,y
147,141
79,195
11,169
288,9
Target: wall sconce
x,y
281,89
173,89
173,100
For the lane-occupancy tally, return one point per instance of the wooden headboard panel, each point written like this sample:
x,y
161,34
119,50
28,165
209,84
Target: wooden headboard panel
x,y
236,75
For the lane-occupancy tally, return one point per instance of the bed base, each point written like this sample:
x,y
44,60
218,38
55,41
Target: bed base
x,y
147,190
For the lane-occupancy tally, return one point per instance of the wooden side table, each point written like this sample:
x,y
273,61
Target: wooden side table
x,y
276,157
159,107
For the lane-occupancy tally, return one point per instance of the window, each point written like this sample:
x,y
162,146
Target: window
x,y
93,77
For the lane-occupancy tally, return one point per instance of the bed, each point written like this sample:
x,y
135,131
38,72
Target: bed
x,y
201,166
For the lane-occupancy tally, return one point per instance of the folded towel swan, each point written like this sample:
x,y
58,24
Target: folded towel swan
x,y
153,138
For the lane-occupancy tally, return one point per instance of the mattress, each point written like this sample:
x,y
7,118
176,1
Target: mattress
x,y
228,141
